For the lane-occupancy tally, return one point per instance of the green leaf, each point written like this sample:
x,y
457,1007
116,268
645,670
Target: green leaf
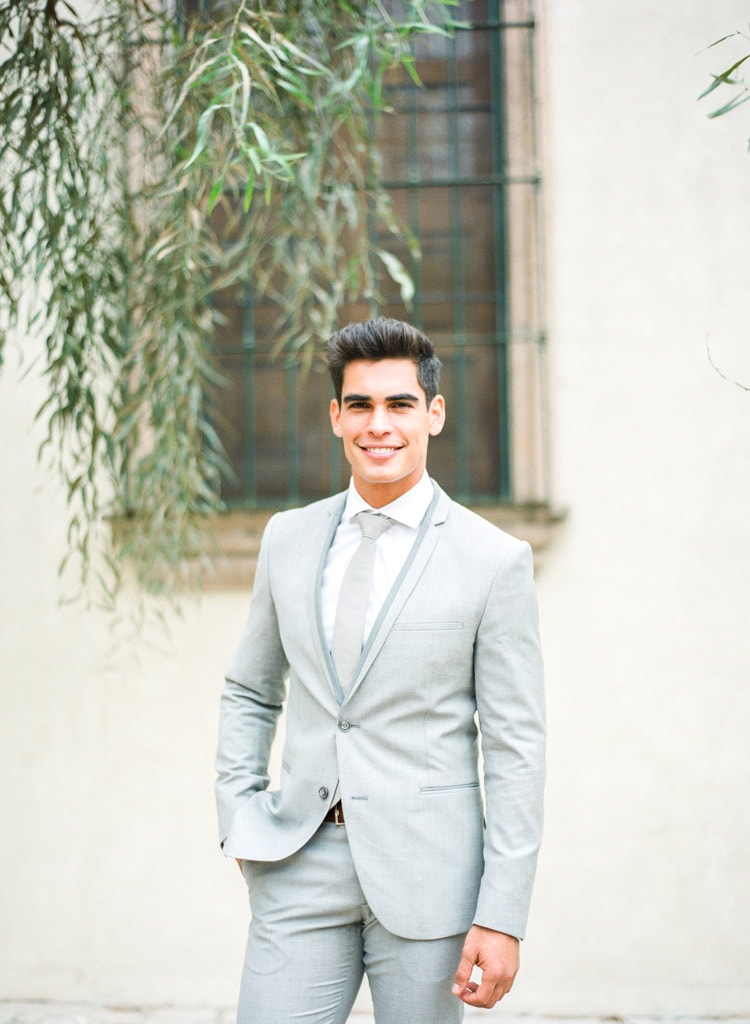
x,y
262,139
398,273
723,39
724,77
215,193
246,88
204,123
737,101
249,189
200,71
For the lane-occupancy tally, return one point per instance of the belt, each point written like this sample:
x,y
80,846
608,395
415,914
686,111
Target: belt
x,y
336,814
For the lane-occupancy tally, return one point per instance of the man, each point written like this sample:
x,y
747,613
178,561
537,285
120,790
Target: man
x,y
376,855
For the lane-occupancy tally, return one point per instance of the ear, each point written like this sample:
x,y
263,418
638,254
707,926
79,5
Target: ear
x,y
335,412
436,413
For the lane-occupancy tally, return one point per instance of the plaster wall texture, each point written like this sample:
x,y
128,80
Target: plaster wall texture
x,y
643,887
113,888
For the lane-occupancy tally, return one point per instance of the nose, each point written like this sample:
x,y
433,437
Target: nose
x,y
379,422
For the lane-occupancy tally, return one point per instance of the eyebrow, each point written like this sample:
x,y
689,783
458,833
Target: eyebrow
x,y
405,397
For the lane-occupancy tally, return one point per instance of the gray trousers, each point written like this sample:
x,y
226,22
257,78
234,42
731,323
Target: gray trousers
x,y
313,937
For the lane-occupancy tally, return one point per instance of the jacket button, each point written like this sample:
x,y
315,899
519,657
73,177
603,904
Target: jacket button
x,y
345,726
323,793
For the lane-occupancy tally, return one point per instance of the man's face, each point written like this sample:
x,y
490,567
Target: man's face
x,y
385,425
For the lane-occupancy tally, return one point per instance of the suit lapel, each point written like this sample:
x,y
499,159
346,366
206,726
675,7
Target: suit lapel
x,y
335,512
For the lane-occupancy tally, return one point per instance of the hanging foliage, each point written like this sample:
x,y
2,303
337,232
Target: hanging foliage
x,y
148,159
730,78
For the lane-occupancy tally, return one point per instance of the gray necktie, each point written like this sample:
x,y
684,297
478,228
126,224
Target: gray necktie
x,y
351,611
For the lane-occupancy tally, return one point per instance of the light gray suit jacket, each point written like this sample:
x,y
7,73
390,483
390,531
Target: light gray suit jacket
x,y
456,643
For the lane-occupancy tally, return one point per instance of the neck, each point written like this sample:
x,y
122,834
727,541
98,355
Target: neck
x,y
381,494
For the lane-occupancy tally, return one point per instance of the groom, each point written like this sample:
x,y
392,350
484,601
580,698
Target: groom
x,y
395,627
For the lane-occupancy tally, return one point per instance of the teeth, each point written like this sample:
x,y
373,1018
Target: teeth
x,y
382,451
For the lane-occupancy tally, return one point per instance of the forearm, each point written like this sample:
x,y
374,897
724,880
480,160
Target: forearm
x,y
247,727
251,701
513,833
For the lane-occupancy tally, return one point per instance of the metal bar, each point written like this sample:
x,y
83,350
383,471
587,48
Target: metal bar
x,y
413,203
335,461
292,433
518,336
540,273
249,468
499,159
464,108
486,180
463,483
499,24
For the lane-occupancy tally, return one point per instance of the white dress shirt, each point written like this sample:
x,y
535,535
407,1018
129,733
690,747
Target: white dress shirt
x,y
391,549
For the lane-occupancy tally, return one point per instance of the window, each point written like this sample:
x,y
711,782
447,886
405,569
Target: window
x,y
460,160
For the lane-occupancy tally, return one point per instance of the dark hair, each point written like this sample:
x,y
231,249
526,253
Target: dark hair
x,y
383,338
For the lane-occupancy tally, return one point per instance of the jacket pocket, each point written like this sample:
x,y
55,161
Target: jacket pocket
x,y
427,790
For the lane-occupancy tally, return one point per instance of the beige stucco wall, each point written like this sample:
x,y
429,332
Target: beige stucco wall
x,y
112,885
644,888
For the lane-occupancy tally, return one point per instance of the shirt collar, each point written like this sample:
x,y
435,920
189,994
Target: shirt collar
x,y
409,509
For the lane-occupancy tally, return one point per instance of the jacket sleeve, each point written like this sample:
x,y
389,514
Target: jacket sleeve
x,y
509,687
252,700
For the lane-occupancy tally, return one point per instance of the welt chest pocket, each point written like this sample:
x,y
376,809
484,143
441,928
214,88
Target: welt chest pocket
x,y
426,627
435,646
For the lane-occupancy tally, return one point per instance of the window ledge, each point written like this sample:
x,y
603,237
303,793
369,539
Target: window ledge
x,y
235,539
535,523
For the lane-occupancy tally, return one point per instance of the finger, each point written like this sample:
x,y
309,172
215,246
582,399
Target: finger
x,y
463,972
487,993
482,1001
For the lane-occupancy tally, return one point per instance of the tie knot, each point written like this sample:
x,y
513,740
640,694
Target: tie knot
x,y
372,524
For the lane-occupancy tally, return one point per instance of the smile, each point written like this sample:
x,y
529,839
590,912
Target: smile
x,y
379,451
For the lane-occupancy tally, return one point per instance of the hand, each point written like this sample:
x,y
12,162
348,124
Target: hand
x,y
497,955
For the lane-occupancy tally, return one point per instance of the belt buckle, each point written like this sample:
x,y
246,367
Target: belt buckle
x,y
338,814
